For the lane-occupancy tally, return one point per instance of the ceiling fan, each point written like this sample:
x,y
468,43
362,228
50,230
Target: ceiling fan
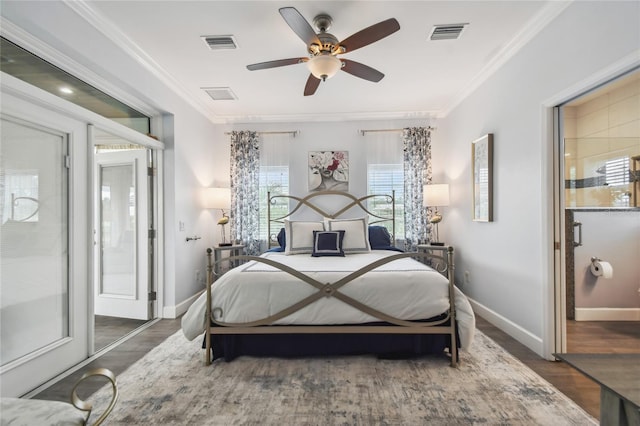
x,y
324,48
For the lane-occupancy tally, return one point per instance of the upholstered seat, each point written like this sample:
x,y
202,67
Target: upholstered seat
x,y
19,411
30,412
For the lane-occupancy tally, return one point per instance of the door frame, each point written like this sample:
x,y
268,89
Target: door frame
x,y
139,304
157,149
553,246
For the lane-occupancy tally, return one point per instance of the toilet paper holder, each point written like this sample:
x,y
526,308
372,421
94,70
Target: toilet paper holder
x,y
600,268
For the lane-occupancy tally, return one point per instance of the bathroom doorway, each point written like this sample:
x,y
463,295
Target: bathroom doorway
x,y
600,151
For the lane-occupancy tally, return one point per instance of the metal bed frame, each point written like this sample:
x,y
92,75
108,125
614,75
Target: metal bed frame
x,y
443,257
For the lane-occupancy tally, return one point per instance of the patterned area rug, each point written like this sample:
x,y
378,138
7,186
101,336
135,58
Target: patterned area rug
x,y
171,386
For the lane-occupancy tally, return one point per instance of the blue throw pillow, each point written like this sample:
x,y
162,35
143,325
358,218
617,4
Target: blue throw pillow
x,y
282,239
379,237
327,243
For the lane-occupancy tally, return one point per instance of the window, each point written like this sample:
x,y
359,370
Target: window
x,y
385,173
274,180
384,179
274,177
616,173
28,67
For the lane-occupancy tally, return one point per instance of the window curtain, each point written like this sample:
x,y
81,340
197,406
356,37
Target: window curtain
x,y
417,172
245,190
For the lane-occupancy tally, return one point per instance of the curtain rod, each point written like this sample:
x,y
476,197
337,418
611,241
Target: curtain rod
x,y
284,132
362,132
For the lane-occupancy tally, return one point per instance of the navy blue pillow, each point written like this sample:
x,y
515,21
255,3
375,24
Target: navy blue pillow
x,y
282,240
327,243
379,237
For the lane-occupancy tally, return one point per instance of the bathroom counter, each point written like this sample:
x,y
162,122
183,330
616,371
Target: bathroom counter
x,y
619,378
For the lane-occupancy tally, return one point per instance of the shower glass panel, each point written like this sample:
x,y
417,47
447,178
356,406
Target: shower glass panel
x,y
602,172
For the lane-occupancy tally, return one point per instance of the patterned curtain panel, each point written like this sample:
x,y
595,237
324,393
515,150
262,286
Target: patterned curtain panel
x,y
417,172
245,190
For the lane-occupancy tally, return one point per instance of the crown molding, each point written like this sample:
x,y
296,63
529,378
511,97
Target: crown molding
x,y
106,27
539,21
331,117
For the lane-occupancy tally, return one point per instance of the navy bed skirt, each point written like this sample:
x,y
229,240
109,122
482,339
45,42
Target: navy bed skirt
x,y
394,346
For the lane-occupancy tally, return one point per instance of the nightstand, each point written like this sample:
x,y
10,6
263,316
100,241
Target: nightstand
x,y
438,259
219,267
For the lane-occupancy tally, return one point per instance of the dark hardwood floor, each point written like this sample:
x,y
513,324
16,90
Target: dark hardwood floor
x,y
117,360
583,337
110,329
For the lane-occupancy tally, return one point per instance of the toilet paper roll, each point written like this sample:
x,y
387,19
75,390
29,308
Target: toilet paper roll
x,y
602,269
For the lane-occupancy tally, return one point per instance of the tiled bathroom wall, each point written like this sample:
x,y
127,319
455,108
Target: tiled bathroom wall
x,y
602,137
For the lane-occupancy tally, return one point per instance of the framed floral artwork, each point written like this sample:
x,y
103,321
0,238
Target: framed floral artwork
x,y
328,171
482,169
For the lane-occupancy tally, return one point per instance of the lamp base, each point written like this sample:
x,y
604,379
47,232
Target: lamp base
x,y
225,245
436,244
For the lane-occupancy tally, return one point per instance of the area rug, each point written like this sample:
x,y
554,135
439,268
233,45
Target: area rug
x,y
172,386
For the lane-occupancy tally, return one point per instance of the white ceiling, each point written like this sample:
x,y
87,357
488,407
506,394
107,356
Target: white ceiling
x,y
423,78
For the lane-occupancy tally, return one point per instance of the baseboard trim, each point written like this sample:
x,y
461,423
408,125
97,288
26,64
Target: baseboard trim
x,y
174,312
523,336
607,314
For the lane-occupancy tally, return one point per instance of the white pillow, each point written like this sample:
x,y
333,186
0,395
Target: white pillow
x,y
356,235
299,236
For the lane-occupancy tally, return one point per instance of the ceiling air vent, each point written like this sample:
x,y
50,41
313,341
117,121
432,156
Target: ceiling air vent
x,y
220,42
220,93
447,32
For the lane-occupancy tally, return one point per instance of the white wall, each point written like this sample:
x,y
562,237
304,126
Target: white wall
x,y
325,136
508,260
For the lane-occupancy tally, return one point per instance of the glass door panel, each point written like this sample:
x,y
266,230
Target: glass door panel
x,y
118,226
34,283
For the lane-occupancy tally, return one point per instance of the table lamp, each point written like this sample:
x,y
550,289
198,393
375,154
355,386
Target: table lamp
x,y
219,198
436,195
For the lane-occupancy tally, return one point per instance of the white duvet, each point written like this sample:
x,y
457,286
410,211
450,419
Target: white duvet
x,y
403,288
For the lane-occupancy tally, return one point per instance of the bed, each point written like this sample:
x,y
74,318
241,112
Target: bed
x,y
332,283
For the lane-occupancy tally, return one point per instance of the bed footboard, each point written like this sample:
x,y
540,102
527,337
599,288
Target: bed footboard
x,y
445,325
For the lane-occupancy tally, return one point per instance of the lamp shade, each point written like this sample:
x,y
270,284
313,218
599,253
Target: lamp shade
x,y
435,195
324,66
217,198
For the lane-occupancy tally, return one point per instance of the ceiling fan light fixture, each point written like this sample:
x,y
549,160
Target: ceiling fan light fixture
x,y
324,66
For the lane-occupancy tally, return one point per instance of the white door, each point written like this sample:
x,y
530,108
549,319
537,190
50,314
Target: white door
x,y
122,235
44,244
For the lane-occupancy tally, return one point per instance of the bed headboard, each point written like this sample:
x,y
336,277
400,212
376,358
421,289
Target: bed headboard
x,y
332,205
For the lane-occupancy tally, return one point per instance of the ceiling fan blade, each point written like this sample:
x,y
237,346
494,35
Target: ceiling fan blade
x,y
361,70
370,34
300,26
277,63
312,85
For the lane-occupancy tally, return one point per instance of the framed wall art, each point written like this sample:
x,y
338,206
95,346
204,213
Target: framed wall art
x,y
328,171
482,169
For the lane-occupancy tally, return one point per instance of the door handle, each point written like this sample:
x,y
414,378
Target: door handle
x,y
578,225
